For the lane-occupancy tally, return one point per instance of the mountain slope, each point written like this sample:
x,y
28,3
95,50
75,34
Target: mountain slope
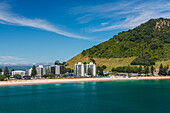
x,y
148,43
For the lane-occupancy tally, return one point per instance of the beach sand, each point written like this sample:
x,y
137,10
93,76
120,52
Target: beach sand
x,y
50,81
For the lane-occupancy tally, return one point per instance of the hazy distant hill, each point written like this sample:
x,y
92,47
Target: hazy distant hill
x,y
145,45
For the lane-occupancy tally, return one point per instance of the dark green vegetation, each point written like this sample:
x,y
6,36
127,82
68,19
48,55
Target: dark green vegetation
x,y
67,70
27,77
163,70
34,71
17,76
100,70
6,72
49,75
0,69
149,41
2,77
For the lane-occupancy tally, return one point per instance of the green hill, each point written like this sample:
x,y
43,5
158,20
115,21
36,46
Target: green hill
x,y
145,44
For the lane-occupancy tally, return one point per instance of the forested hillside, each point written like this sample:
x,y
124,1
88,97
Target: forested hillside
x,y
146,44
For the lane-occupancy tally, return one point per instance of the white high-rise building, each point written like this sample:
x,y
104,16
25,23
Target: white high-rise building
x,y
79,69
92,68
40,71
29,72
56,69
59,69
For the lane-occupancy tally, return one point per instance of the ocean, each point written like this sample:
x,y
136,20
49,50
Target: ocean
x,y
137,96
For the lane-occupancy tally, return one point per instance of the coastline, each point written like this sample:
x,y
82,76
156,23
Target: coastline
x,y
50,81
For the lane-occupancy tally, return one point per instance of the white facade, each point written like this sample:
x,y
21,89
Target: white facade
x,y
79,69
51,69
22,73
59,69
56,69
91,66
29,72
1,73
40,71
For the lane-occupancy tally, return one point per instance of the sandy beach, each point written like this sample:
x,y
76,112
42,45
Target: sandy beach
x,y
49,81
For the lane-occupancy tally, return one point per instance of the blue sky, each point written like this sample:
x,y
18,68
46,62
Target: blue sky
x,y
42,31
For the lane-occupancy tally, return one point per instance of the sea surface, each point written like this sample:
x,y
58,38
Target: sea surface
x,y
138,96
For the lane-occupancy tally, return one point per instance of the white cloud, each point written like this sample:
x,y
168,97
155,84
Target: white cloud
x,y
8,17
22,64
122,15
105,23
2,58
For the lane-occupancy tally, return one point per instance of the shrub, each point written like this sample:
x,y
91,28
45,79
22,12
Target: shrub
x,y
27,77
49,76
65,75
17,76
45,76
2,77
169,72
144,59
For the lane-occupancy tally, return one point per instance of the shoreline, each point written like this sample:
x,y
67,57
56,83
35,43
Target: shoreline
x,y
73,80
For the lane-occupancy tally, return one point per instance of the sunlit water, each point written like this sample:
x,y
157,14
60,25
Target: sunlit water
x,y
145,96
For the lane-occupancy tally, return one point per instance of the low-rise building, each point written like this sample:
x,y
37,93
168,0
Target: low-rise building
x,y
18,72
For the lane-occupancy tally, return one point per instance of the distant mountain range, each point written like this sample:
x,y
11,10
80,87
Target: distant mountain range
x,y
23,67
145,45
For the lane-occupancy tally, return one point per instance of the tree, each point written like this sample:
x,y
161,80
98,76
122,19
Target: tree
x,y
85,66
66,70
100,70
0,69
104,67
92,60
51,76
47,70
90,72
34,71
56,62
6,72
140,70
45,76
65,75
169,72
128,70
113,69
17,76
167,66
164,71
146,70
161,69
152,69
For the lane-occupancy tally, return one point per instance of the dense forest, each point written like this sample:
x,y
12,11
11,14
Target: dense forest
x,y
150,42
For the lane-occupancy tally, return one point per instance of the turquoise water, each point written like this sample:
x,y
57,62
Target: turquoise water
x,y
147,96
